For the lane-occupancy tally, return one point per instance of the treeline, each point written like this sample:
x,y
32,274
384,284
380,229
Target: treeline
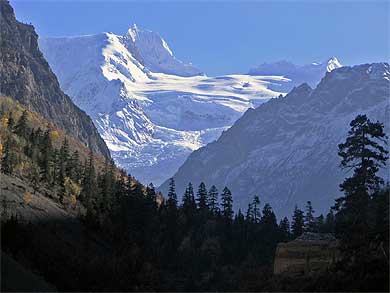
x,y
149,243
187,246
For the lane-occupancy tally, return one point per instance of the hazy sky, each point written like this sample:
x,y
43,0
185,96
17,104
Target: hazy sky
x,y
221,37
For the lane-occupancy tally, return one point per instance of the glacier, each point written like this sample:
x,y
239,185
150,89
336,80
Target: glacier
x,y
152,109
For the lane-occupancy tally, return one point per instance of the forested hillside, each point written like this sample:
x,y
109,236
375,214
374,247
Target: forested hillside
x,y
122,236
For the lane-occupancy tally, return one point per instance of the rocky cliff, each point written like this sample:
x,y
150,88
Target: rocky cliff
x,y
311,252
27,77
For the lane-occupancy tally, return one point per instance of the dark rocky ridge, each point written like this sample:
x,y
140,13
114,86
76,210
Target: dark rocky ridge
x,y
27,77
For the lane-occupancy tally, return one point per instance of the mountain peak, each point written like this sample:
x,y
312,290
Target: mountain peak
x,y
309,73
155,52
379,71
304,87
332,64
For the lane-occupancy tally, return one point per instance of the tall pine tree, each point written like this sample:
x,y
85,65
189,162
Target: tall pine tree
x,y
172,196
364,152
21,128
297,224
256,214
227,204
309,218
189,204
201,197
284,227
212,200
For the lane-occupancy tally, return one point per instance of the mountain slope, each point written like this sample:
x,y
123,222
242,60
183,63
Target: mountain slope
x,y
150,120
27,77
285,151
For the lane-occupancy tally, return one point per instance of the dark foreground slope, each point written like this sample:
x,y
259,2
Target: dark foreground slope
x,y
285,151
82,227
27,77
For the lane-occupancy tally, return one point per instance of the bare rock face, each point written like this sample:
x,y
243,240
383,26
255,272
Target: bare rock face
x,y
311,252
18,199
27,77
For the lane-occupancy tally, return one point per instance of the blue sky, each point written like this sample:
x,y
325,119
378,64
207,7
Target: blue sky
x,y
222,37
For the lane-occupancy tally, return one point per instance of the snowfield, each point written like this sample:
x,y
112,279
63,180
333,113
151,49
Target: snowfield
x,y
151,109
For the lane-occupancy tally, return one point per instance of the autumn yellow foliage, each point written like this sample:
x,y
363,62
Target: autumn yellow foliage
x,y
4,121
27,198
72,191
54,135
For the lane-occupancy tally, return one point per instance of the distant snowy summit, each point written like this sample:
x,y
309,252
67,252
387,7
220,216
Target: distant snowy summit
x,y
298,74
155,53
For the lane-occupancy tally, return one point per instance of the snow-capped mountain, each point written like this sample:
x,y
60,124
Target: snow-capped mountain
x,y
151,109
298,74
285,151
155,54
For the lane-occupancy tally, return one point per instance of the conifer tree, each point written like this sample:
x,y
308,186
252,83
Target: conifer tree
x,y
284,227
63,159
249,213
227,204
364,152
309,218
189,204
151,193
329,223
74,168
46,158
202,197
21,128
212,200
297,224
256,214
32,147
106,184
268,218
11,122
55,169
381,221
172,196
9,158
319,224
239,215
89,186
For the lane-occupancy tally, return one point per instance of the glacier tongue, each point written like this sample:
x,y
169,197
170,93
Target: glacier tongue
x,y
151,109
